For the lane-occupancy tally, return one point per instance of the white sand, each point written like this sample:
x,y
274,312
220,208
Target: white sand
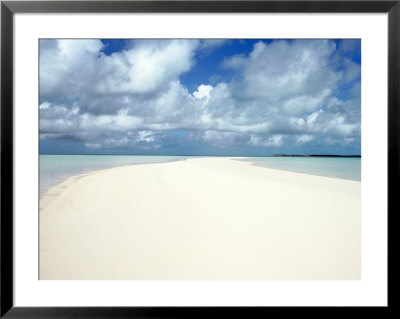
x,y
205,218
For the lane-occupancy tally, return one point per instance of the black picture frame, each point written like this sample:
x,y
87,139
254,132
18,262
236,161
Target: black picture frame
x,y
9,8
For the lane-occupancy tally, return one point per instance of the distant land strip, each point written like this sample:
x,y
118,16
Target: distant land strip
x,y
314,155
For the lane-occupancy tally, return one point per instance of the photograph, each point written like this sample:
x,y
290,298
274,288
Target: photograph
x,y
199,159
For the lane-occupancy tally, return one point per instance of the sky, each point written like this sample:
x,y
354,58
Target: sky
x,y
231,97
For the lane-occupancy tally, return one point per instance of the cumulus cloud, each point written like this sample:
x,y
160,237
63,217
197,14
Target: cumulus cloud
x,y
283,92
210,44
304,139
203,91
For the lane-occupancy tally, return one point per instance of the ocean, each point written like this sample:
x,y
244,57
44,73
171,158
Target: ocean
x,y
339,167
56,168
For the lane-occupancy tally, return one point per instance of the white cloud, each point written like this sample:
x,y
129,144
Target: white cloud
x,y
339,141
281,70
145,68
303,139
128,98
274,140
67,67
212,43
145,136
77,68
228,139
203,91
351,71
305,103
44,106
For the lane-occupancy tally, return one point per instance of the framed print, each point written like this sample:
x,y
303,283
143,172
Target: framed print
x,y
192,158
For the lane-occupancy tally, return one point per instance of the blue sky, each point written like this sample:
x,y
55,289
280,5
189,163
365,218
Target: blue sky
x,y
200,97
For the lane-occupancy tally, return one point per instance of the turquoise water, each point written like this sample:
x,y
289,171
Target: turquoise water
x,y
339,167
56,168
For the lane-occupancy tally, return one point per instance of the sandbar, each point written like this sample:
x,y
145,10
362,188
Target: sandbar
x,y
208,218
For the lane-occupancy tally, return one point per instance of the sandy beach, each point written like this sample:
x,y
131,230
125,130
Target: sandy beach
x,y
201,219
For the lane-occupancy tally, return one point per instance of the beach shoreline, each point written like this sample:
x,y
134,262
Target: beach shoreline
x,y
201,219
60,177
